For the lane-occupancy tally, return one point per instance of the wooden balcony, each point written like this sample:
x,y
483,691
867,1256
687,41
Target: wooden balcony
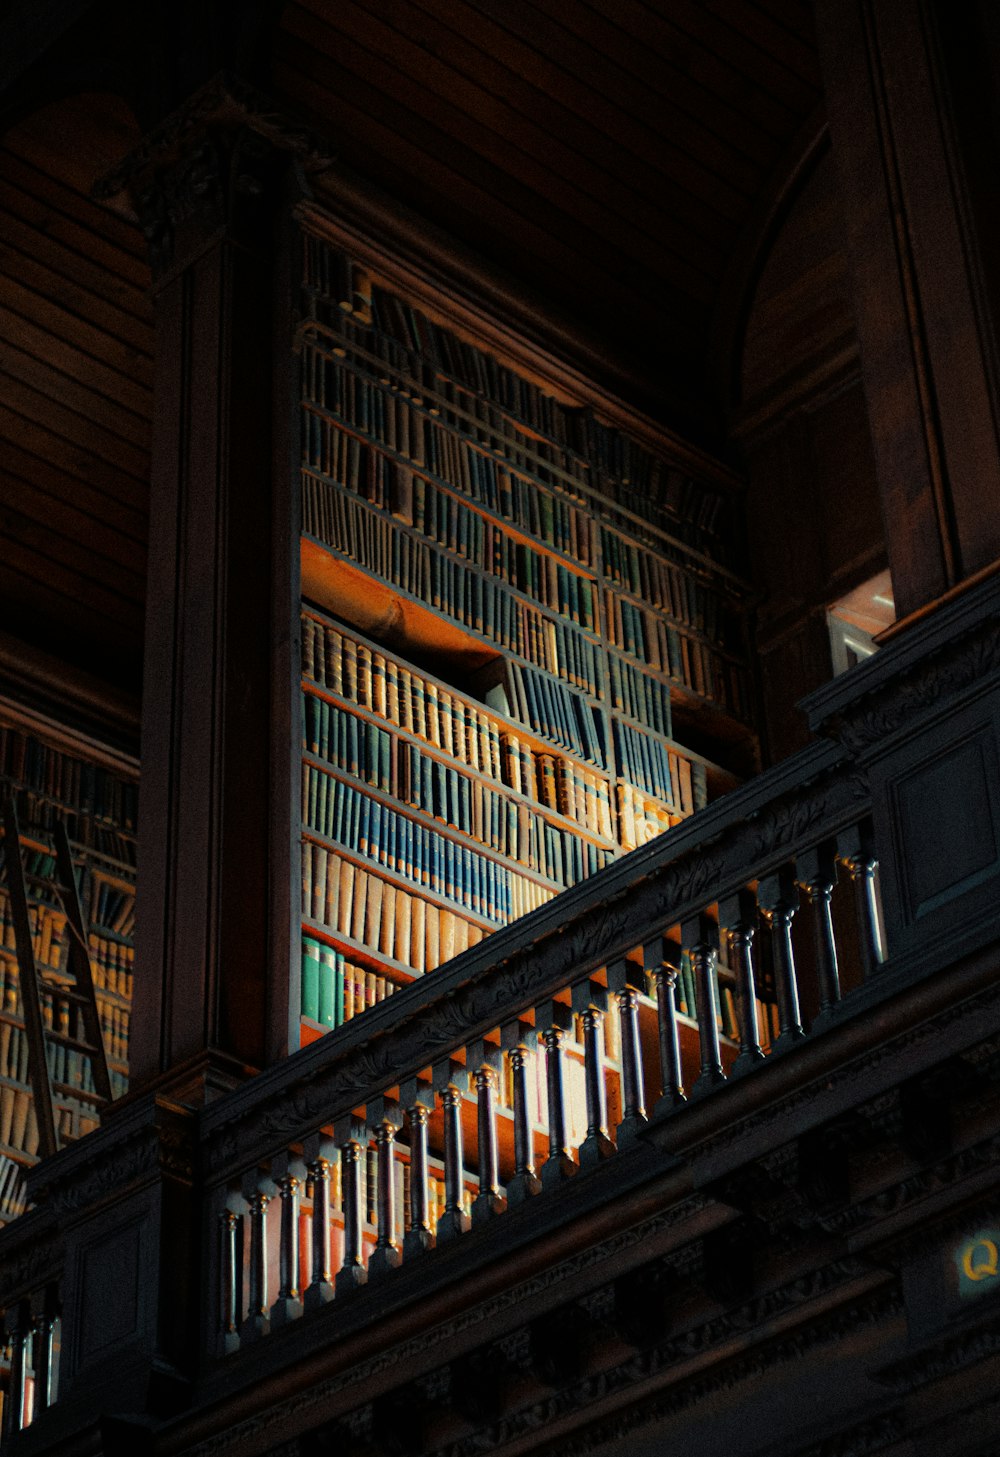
x,y
727,1102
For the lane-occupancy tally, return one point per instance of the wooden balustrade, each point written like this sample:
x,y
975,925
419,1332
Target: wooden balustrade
x,y
554,1084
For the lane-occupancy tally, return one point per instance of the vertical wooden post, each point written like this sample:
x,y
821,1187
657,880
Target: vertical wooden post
x,y
738,916
258,1190
625,980
662,960
817,874
778,900
451,1080
552,1020
385,1119
231,1274
918,202
484,1058
590,1002
288,1173
351,1137
515,1039
700,938
418,1100
856,849
320,1153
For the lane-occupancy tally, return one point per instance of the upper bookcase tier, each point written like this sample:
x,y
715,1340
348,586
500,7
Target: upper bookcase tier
x,y
453,375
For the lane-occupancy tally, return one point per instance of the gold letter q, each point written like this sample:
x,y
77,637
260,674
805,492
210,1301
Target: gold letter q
x,y
987,1263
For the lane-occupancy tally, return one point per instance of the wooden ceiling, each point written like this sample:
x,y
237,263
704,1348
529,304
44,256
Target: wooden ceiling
x,y
605,157
606,153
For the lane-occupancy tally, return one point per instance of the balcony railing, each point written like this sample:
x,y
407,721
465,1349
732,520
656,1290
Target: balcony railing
x,y
462,1110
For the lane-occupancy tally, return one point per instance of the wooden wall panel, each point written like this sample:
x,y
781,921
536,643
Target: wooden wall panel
x,y
75,393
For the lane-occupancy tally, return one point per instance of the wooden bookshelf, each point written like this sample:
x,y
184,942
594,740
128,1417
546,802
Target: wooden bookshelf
x,y
53,776
480,543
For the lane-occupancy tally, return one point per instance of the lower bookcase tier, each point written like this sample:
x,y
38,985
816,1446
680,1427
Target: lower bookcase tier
x,y
431,817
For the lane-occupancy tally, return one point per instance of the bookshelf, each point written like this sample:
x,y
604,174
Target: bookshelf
x,y
55,774
511,614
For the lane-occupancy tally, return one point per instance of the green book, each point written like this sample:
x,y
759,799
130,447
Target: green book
x,y
327,995
310,979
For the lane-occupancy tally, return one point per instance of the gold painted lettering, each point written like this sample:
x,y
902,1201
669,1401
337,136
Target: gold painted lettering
x,y
980,1259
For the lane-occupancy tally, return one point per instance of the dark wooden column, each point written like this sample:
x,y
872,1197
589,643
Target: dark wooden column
x,y
921,243
210,191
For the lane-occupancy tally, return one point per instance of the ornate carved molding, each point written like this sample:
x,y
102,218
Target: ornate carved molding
x,y
210,163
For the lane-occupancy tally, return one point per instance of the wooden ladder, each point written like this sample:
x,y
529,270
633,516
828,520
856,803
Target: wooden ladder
x,y
79,993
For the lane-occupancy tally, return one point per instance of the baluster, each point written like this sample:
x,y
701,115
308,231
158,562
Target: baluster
x,y
319,1153
258,1190
288,1174
515,1039
418,1100
552,1020
662,959
625,979
738,915
231,1271
385,1118
17,1325
351,1137
485,1059
856,849
451,1080
778,900
817,874
590,1002
700,936
44,1313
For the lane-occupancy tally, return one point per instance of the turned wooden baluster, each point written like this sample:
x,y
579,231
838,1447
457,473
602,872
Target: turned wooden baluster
x,y
738,916
44,1315
385,1118
552,1020
451,1080
662,960
231,1270
855,847
626,980
817,875
485,1059
320,1153
778,899
17,1327
350,1134
518,1040
418,1100
258,1190
288,1173
590,1002
700,938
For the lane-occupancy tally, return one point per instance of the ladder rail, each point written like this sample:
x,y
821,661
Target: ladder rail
x,y
79,960
38,1067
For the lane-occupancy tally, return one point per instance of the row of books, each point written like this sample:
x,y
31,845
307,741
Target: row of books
x,y
640,819
417,346
391,921
373,831
333,989
472,454
477,602
393,690
29,763
645,762
440,790
677,588
112,964
639,695
47,931
556,713
63,1018
112,905
38,816
395,487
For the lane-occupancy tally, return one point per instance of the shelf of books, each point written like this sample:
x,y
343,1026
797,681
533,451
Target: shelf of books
x,y
52,778
507,606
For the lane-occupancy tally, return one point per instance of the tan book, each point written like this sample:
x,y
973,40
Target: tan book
x,y
334,660
361,884
433,933
387,926
418,948
404,928
373,911
345,912
448,933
